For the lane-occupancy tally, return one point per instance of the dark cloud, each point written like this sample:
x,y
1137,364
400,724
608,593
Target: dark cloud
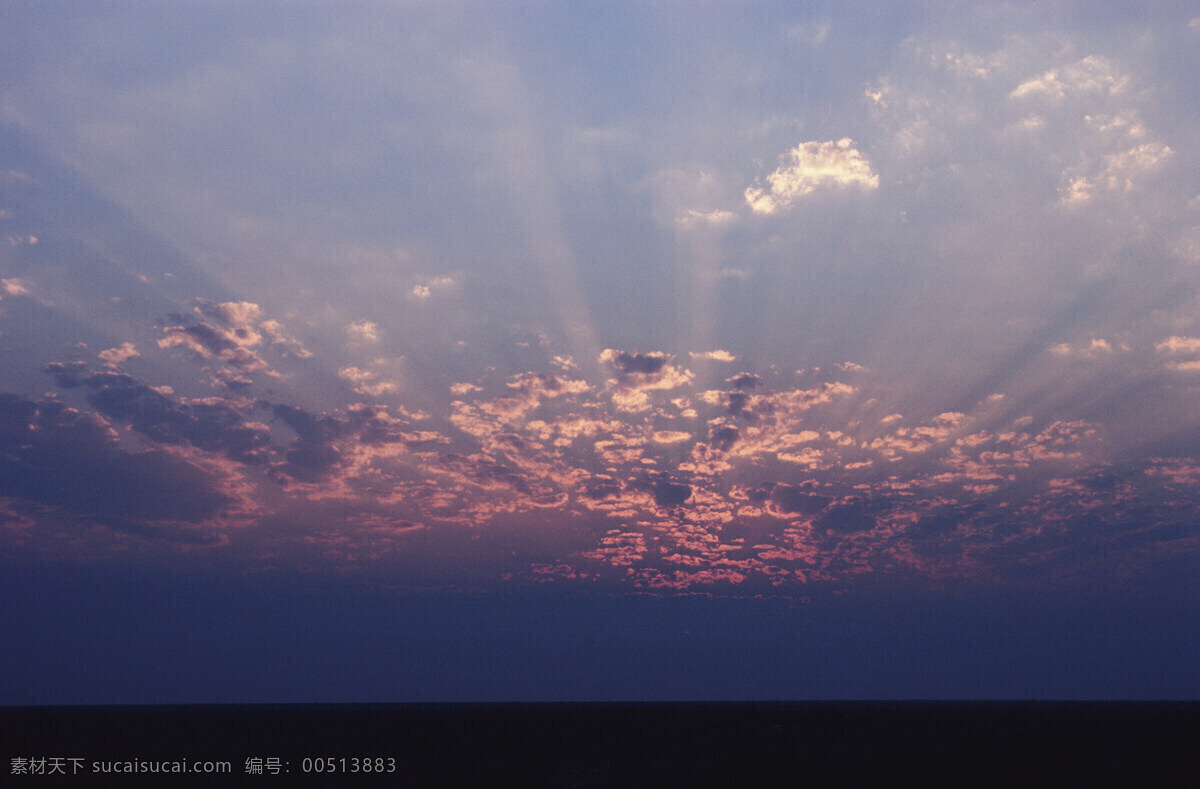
x,y
225,334
374,427
536,384
670,494
638,363
511,443
218,426
313,454
935,524
722,437
54,455
601,487
736,401
203,334
485,471
214,426
792,499
745,381
854,516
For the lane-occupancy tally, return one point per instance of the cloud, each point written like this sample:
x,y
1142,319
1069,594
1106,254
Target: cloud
x,y
745,381
14,287
240,315
212,425
814,165
274,330
1120,170
636,471
365,382
645,370
228,333
639,374
1095,348
1176,344
64,458
670,494
714,218
422,292
716,356
617,481
1091,75
528,391
116,356
314,452
364,331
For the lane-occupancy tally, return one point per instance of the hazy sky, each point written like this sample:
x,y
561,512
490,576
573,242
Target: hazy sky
x,y
601,336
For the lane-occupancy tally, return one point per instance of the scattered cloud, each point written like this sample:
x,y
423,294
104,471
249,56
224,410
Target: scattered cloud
x,y
423,291
716,356
14,287
229,334
1177,344
118,356
813,165
364,331
1091,75
367,383
716,217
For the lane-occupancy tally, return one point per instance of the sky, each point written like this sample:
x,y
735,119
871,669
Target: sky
x,y
599,351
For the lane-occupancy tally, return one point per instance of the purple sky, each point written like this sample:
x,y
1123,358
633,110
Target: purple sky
x,y
597,339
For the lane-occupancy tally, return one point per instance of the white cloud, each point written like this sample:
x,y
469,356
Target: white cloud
x,y
716,217
1178,344
421,292
967,64
14,287
1093,74
115,356
813,165
364,331
235,313
1077,190
275,331
1093,349
1120,169
717,355
564,362
365,382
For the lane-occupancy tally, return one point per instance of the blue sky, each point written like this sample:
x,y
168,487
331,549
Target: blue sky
x,y
848,308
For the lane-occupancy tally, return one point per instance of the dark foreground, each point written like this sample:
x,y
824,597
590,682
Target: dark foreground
x,y
607,744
